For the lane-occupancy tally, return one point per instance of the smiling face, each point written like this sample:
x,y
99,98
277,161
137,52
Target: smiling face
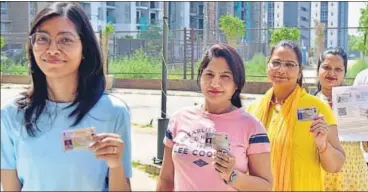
x,y
57,48
331,72
283,68
217,82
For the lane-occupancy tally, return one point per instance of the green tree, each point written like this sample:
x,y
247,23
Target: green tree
x,y
2,42
284,33
356,43
363,29
233,28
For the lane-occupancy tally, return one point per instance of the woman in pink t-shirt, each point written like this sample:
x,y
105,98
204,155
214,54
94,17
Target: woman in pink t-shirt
x,y
190,162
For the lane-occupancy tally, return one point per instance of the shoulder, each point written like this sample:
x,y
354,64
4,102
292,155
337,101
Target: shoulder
x,y
110,105
10,109
310,100
190,111
251,122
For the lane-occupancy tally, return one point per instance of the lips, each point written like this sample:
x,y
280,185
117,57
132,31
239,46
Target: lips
x,y
53,60
278,77
214,91
331,79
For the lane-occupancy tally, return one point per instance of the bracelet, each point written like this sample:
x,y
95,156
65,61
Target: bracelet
x,y
325,149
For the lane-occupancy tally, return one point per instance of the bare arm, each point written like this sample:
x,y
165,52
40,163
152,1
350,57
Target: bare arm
x,y
332,157
260,176
166,179
365,146
117,181
10,181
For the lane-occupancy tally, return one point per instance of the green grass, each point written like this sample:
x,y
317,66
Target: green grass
x,y
142,167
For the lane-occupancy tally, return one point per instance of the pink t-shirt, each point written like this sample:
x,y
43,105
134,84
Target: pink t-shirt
x,y
192,158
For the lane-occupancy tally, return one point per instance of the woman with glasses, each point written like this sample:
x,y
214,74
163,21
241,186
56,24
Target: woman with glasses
x,y
301,128
331,71
192,162
67,94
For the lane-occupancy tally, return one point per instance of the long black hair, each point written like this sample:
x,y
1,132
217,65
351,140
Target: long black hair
x,y
298,53
235,63
91,79
332,51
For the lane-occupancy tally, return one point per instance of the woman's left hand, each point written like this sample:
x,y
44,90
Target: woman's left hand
x,y
224,164
109,147
319,130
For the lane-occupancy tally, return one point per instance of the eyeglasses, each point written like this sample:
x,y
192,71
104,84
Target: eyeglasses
x,y
65,41
277,64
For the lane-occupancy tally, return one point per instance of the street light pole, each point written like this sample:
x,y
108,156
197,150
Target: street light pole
x,y
163,121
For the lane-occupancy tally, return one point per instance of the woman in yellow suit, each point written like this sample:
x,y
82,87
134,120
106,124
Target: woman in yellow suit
x,y
331,70
301,128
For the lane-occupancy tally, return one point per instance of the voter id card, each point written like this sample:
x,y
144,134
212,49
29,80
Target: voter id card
x,y
306,114
78,139
221,141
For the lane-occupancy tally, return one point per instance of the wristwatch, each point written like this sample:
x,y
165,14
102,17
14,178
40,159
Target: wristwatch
x,y
232,178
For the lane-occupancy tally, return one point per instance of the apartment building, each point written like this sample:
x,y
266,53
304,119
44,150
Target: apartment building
x,y
335,17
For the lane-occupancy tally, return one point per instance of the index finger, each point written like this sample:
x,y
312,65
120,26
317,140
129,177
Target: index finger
x,y
101,136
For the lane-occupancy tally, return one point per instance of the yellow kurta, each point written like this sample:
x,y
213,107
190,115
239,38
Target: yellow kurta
x,y
305,171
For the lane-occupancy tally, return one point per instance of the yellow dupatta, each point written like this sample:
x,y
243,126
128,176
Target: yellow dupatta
x,y
280,135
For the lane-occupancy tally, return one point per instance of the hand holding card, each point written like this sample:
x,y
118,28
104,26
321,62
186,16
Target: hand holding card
x,y
319,130
109,147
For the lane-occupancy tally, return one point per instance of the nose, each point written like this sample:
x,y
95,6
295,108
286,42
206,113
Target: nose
x,y
215,82
53,48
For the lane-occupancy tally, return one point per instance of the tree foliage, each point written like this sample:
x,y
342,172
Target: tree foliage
x,y
233,28
284,33
363,29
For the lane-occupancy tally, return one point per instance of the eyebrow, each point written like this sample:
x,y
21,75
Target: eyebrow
x,y
61,32
284,60
228,72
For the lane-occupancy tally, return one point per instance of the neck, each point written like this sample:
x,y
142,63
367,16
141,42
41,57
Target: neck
x,y
62,89
327,92
218,108
280,93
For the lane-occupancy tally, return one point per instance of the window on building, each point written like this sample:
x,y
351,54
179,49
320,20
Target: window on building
x,y
200,23
331,13
330,42
277,5
332,4
331,33
4,7
331,23
4,27
153,18
152,4
200,9
277,15
316,4
138,16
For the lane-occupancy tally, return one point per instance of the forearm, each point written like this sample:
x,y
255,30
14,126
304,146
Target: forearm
x,y
365,146
165,185
117,180
246,182
332,160
10,181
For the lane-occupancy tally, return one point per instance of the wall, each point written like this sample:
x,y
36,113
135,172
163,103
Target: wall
x,y
155,84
